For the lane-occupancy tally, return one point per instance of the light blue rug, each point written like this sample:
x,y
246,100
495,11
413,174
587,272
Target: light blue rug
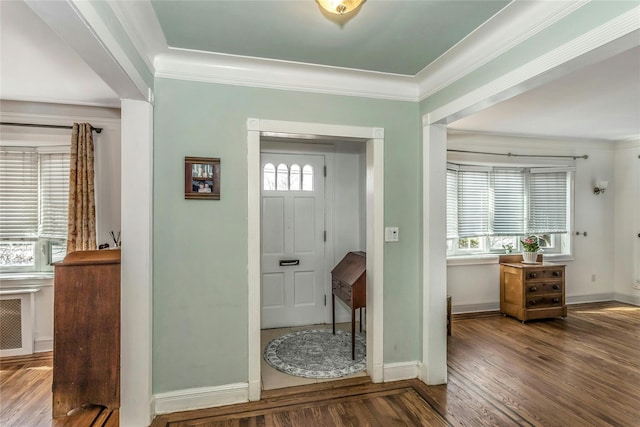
x,y
316,353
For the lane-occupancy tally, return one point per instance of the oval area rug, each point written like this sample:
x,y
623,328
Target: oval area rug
x,y
316,353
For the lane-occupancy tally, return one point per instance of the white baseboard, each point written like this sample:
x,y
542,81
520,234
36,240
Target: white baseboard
x,y
200,398
475,308
43,344
629,299
580,299
400,371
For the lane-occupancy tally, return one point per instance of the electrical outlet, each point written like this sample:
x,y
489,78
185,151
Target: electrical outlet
x,y
636,285
593,277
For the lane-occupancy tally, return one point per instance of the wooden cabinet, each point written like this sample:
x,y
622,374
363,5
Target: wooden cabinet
x,y
349,283
86,322
531,291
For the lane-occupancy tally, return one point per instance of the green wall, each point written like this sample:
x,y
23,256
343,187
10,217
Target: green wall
x,y
200,247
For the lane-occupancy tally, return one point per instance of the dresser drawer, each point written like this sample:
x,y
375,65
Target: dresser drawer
x,y
546,287
544,301
541,274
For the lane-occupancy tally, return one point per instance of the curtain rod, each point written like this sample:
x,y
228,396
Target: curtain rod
x,y
521,155
33,125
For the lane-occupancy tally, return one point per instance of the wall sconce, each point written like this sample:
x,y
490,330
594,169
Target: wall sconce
x,y
600,187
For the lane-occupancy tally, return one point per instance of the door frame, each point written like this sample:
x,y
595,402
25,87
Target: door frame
x,y
374,138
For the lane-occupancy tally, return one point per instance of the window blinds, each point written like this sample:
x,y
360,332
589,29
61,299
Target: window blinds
x,y
547,202
505,202
33,194
54,195
18,194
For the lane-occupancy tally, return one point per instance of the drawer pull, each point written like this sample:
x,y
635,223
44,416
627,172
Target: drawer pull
x,y
533,289
532,275
289,262
533,302
556,273
556,287
555,300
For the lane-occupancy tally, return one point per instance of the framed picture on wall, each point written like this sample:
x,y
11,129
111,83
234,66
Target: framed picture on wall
x,y
202,178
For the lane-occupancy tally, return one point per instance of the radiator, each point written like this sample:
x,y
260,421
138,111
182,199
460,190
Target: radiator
x,y
16,322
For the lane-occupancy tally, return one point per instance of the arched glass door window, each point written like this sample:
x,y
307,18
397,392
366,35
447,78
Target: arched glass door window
x,y
282,177
307,178
269,177
294,178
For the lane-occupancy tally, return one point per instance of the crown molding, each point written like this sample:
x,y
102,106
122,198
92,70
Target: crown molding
x,y
209,67
516,23
140,23
512,25
604,41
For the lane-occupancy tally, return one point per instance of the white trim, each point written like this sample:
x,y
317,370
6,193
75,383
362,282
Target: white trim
x,y
137,264
433,368
580,51
82,28
140,22
375,234
43,345
210,67
27,319
475,308
102,32
581,299
401,371
511,26
200,398
629,299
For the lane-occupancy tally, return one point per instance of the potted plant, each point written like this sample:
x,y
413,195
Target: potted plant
x,y
531,247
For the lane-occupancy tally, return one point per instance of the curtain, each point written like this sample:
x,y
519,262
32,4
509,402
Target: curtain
x,y
81,231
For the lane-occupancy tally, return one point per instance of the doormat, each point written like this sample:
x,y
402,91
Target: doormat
x,y
316,353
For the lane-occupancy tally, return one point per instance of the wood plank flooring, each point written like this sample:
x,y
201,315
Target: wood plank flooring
x,y
25,396
580,371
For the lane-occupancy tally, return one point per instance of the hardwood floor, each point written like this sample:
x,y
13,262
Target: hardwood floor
x,y
580,371
25,396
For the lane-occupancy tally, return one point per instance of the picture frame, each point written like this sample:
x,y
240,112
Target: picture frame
x,y
202,178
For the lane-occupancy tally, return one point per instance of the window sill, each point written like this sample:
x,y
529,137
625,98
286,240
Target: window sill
x,y
484,259
24,280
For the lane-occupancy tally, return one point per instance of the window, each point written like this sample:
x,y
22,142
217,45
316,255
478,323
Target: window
x,y
33,207
491,208
285,178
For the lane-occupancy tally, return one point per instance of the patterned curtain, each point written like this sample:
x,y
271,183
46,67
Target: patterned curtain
x,y
81,234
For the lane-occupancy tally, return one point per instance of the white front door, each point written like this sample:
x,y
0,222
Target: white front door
x,y
293,267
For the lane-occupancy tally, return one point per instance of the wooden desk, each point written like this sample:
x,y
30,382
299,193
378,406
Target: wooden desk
x,y
531,291
86,327
349,283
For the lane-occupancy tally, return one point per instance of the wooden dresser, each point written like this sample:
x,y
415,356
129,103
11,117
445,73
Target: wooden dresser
x,y
531,291
86,324
349,283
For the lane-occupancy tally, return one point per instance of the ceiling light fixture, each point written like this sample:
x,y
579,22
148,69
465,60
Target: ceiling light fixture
x,y
339,7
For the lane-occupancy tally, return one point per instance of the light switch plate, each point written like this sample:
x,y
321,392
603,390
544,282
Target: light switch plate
x,y
391,234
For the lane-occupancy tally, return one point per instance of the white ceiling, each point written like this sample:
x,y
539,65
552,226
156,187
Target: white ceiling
x,y
601,101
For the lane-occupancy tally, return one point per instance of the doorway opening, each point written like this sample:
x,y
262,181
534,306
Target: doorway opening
x,y
313,212
288,136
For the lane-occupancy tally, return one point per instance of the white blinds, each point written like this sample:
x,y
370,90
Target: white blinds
x,y
509,203
473,203
54,195
18,194
452,204
547,202
33,194
505,202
